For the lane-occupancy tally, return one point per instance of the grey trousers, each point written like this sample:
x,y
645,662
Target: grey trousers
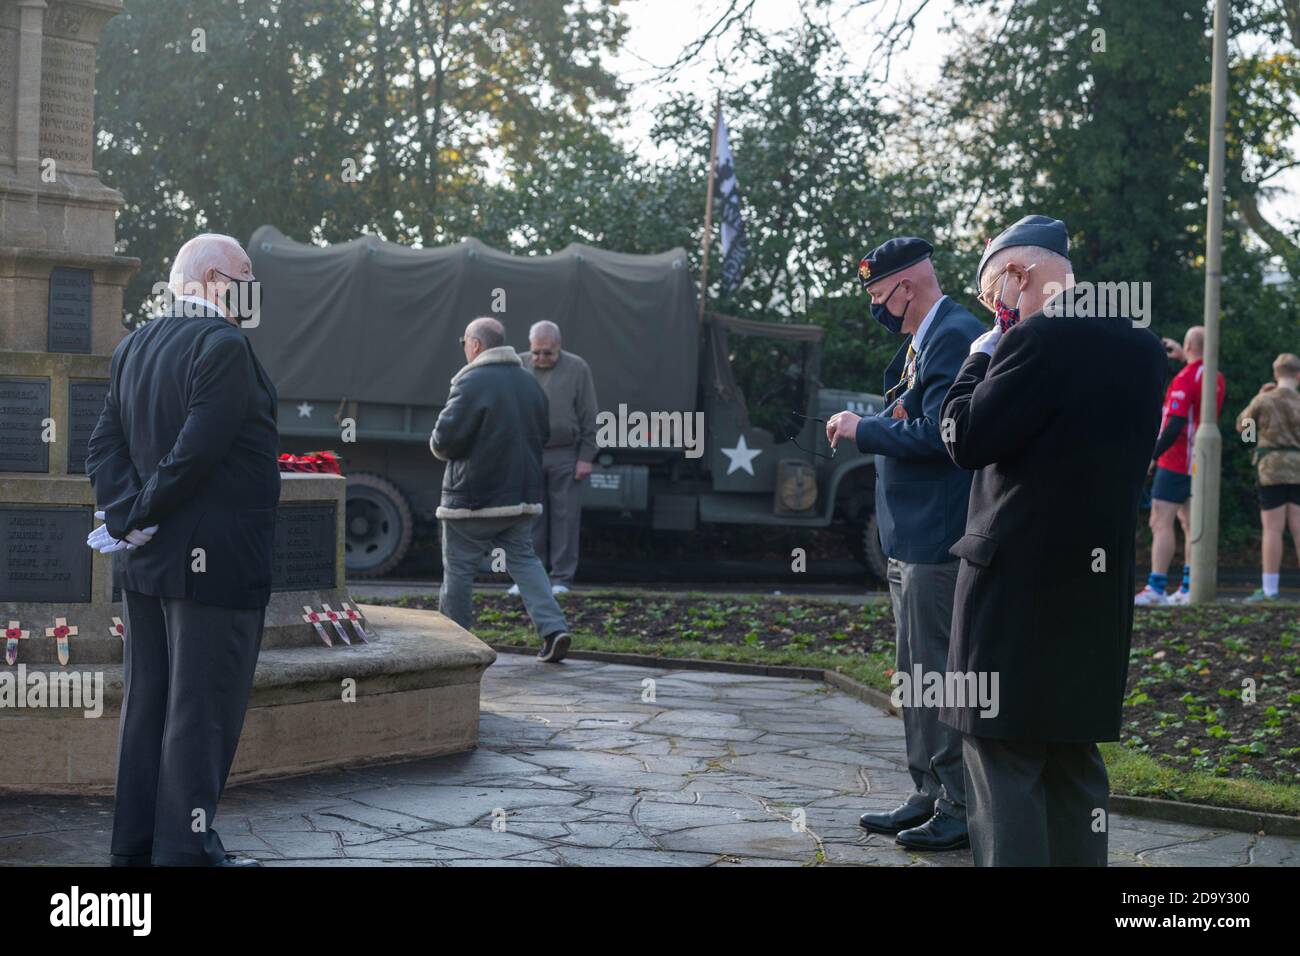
x,y
922,595
467,541
189,672
555,531
1035,803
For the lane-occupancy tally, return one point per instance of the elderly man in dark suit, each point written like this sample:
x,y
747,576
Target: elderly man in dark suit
x,y
186,447
1055,409
921,509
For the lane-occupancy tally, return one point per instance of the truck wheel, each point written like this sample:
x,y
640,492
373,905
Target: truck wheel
x,y
379,526
872,553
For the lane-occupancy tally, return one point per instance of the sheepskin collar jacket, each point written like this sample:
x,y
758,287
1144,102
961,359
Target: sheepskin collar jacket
x,y
491,433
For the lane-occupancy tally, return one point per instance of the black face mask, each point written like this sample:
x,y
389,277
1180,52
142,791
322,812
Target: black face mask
x,y
239,301
880,312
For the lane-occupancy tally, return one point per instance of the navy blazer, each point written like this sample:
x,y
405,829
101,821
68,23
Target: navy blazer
x,y
921,496
187,441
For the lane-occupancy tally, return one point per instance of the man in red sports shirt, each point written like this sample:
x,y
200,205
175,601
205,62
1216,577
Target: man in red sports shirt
x,y
1171,491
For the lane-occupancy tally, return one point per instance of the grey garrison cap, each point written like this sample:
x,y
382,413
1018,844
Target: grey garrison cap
x,y
1041,231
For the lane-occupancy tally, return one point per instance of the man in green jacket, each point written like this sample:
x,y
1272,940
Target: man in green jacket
x,y
566,461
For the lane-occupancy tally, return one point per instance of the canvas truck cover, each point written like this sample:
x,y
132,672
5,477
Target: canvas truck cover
x,y
371,321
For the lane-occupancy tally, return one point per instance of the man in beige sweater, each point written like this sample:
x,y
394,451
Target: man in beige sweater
x,y
1272,421
566,461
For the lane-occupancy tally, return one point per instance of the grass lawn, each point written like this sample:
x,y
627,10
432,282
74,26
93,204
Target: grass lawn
x,y
1213,695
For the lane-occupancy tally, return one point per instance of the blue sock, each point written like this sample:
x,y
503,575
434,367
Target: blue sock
x,y
1187,578
1158,582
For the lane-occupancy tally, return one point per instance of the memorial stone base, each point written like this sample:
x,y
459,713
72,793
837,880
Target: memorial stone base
x,y
410,690
413,692
407,688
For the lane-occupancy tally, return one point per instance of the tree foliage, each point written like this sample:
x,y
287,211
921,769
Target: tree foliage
x,y
330,119
426,121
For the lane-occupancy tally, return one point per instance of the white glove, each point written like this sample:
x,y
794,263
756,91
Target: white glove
x,y
139,538
987,342
105,543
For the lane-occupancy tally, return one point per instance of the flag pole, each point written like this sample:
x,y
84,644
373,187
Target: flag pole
x,y
1207,452
708,207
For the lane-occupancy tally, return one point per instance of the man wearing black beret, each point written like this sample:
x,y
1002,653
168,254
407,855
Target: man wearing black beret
x,y
921,510
1057,414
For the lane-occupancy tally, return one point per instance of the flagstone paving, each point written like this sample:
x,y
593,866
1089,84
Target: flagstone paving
x,y
594,764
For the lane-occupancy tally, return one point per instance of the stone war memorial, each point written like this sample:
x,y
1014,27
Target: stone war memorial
x,y
387,684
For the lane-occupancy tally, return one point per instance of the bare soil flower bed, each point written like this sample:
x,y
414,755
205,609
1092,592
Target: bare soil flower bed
x,y
1217,689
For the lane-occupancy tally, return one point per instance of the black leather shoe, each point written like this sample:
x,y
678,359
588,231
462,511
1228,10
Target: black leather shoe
x,y
135,859
900,818
232,860
940,832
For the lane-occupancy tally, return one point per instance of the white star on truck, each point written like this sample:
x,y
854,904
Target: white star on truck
x,y
741,456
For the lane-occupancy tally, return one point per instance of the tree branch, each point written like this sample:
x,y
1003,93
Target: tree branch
x,y
1277,241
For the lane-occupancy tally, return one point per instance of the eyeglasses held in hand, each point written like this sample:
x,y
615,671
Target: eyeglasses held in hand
x,y
811,451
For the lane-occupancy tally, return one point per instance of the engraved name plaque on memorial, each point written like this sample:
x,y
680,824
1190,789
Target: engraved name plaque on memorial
x,y
67,104
8,91
69,311
24,406
305,547
85,402
43,554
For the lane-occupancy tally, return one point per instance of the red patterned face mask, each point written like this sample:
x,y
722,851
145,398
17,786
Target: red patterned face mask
x,y
1005,316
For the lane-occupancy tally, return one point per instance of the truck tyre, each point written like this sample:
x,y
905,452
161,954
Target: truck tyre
x,y
378,526
872,553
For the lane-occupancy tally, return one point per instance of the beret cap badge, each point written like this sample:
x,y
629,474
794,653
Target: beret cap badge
x,y
892,256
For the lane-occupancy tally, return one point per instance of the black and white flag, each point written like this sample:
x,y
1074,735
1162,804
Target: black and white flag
x,y
734,245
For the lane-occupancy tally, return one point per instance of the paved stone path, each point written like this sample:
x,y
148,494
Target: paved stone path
x,y
576,768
